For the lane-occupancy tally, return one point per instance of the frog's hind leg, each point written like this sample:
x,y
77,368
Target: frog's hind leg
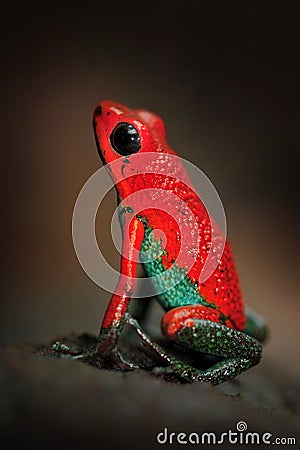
x,y
191,327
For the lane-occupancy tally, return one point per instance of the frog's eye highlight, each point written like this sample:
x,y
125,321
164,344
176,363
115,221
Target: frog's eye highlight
x,y
125,139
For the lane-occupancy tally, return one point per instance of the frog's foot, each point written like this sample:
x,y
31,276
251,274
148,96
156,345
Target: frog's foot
x,y
219,373
98,350
121,362
182,371
64,351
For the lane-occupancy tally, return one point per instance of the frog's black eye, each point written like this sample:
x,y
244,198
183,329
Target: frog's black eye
x,y
125,139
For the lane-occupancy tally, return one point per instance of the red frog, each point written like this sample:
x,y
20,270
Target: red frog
x,y
207,316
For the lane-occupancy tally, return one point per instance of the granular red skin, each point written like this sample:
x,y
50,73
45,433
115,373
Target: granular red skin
x,y
222,289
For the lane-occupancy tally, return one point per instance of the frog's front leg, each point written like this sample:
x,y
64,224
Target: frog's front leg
x,y
114,318
196,327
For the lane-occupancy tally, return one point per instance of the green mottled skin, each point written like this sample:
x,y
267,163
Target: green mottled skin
x,y
241,350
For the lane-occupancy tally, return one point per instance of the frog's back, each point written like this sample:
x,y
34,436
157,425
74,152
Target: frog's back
x,y
187,237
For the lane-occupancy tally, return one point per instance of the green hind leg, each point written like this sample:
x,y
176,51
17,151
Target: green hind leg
x,y
238,351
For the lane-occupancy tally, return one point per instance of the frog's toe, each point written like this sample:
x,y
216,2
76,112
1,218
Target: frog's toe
x,y
182,371
112,355
64,351
122,362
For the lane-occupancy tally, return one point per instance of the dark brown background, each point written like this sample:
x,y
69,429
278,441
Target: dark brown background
x,y
224,80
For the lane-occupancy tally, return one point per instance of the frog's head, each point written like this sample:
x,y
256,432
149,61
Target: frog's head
x,y
121,132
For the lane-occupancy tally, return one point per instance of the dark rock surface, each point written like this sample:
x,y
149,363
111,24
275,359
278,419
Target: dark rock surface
x,y
49,402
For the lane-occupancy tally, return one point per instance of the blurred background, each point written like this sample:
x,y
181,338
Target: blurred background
x,y
225,82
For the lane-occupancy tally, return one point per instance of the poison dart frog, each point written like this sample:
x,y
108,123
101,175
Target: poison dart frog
x,y
210,316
